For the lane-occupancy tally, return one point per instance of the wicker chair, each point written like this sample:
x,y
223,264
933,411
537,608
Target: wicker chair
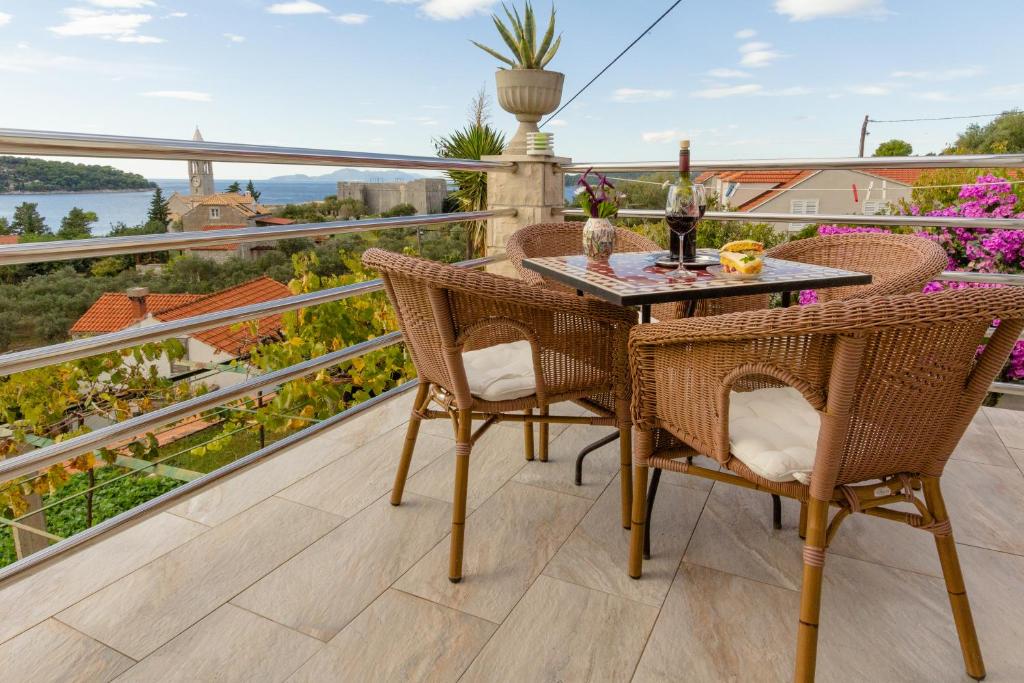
x,y
461,325
898,264
848,405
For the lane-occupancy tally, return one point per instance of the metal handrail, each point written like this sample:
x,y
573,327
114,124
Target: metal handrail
x,y
851,219
28,463
190,487
52,143
941,161
67,250
19,361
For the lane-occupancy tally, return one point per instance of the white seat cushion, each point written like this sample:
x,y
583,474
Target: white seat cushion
x,y
774,432
501,372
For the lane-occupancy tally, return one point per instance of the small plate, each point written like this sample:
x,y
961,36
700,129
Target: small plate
x,y
718,271
702,261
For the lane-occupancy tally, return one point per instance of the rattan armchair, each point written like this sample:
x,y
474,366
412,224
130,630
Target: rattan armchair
x,y
494,349
887,385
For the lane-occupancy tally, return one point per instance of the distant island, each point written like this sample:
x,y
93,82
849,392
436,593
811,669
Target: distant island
x,y
19,175
372,176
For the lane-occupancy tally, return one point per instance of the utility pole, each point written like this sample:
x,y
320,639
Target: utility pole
x,y
863,134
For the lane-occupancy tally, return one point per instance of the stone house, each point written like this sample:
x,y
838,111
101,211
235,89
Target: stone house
x,y
426,194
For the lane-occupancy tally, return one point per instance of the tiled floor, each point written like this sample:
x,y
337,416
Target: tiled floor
x,y
299,569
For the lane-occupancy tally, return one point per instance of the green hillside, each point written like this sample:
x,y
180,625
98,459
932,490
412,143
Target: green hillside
x,y
18,174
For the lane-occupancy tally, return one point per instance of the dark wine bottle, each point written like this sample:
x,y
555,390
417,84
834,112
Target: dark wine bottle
x,y
684,224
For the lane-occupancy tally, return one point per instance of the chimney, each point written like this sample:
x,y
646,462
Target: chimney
x,y
137,296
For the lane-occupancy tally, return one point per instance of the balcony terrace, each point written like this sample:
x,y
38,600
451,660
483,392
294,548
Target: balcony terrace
x,y
290,563
297,568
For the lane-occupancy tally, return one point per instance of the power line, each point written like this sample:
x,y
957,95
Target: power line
x,y
609,65
937,118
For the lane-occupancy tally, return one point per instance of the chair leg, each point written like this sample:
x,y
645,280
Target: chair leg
x,y
528,435
802,529
543,440
411,432
776,512
463,446
954,582
652,493
626,473
810,592
636,537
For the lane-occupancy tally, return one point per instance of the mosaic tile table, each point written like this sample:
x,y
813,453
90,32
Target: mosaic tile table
x,y
633,279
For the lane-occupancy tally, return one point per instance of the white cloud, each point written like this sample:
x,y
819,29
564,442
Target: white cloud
x,y
351,18
873,90
434,107
945,75
728,73
110,25
558,123
297,7
758,54
234,37
935,96
454,9
377,122
1008,90
792,91
5,18
121,4
177,15
187,95
744,34
640,95
727,91
661,135
806,10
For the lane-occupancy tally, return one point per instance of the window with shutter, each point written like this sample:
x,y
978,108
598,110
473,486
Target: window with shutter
x,y
214,212
804,207
873,208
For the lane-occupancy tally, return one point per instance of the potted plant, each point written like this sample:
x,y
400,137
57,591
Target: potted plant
x,y
525,88
601,202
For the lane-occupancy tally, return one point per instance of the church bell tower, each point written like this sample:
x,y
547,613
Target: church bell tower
x,y
200,173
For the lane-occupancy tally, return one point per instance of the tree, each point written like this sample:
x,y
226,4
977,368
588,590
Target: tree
x,y
28,221
77,225
476,140
234,187
894,148
1003,135
5,226
158,211
253,192
399,210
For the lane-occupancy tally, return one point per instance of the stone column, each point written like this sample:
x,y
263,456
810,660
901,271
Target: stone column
x,y
534,190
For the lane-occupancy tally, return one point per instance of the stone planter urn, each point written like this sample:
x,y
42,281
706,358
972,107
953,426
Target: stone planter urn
x,y
598,239
529,94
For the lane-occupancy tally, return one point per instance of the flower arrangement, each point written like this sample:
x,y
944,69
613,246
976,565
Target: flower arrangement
x,y
600,200
978,250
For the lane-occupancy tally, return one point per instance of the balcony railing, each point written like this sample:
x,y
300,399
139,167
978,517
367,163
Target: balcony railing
x,y
68,144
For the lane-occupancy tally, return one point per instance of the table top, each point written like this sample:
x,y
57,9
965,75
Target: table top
x,y
633,279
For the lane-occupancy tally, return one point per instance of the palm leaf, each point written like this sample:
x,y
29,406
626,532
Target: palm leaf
x,y
530,37
507,36
495,54
554,49
548,37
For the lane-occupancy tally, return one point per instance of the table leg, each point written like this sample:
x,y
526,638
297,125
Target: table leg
x,y
603,441
645,313
652,492
787,299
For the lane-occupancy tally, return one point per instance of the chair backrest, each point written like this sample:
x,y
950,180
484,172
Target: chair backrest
x,y
906,379
561,239
898,264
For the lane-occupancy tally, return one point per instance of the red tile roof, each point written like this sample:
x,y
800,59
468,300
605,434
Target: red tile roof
x,y
238,338
273,220
906,176
760,199
8,239
113,311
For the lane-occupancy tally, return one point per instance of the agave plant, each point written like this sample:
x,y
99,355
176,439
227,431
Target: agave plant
x,y
522,39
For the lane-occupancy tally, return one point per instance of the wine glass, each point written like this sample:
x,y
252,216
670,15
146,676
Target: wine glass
x,y
685,206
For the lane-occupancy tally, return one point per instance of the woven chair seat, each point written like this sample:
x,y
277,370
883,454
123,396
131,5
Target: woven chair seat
x,y
774,432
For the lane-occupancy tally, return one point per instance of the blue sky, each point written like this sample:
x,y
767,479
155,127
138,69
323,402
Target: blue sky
x,y
753,78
